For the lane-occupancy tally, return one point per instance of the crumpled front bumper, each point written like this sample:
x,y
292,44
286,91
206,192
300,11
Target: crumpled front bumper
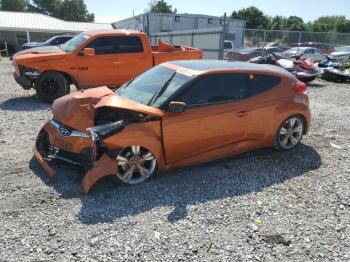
x,y
23,81
51,145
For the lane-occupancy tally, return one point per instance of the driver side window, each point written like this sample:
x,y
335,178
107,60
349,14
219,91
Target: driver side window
x,y
309,51
214,89
103,45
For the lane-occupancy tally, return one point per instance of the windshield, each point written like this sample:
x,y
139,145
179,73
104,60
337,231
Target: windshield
x,y
293,50
154,86
343,49
228,45
75,42
49,40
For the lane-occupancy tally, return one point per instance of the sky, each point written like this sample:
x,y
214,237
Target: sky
x,y
107,11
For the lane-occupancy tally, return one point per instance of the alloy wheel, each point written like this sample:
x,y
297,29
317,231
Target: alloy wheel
x,y
135,164
291,132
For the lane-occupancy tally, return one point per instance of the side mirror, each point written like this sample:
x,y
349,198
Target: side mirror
x,y
88,51
176,107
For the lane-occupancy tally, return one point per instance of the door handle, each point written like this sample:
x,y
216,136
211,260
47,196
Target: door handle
x,y
242,113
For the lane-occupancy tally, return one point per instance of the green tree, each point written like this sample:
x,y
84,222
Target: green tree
x,y
75,10
14,5
71,10
331,24
254,17
160,7
295,23
277,22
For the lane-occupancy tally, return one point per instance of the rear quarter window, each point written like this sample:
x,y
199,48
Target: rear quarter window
x,y
258,84
129,44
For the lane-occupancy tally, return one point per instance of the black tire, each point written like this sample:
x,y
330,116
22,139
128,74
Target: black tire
x,y
278,136
307,79
149,166
52,85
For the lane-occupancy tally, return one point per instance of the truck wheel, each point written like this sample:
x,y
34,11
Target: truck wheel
x,y
52,85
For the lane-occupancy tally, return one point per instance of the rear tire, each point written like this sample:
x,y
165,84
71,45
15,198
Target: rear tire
x,y
289,133
52,85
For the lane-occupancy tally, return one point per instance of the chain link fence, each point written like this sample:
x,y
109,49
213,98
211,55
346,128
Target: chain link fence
x,y
260,37
210,40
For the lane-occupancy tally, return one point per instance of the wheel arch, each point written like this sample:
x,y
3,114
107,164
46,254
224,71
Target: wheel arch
x,y
68,76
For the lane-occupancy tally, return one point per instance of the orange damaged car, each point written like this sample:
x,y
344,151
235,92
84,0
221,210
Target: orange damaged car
x,y
176,114
92,59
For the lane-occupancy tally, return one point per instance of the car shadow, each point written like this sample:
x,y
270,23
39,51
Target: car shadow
x,y
227,178
24,103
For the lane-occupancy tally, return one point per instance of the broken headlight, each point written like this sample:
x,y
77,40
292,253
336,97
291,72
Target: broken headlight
x,y
30,72
105,130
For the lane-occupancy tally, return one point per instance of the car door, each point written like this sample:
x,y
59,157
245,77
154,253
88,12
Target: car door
x,y
132,60
215,119
263,98
101,68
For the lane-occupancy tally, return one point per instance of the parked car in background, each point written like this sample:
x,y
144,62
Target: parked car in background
x,y
278,45
342,52
246,54
91,59
176,114
311,53
324,48
229,45
56,40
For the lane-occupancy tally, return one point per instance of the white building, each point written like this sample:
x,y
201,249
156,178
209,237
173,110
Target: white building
x,y
154,23
17,28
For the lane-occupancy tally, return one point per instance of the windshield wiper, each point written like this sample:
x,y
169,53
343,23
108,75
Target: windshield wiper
x,y
123,87
161,90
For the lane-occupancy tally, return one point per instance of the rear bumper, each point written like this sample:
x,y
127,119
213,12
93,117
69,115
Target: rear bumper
x,y
23,81
308,120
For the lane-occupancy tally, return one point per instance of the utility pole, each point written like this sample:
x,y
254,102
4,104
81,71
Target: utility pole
x,y
222,38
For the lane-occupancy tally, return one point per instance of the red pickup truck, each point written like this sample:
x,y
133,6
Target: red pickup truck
x,y
91,59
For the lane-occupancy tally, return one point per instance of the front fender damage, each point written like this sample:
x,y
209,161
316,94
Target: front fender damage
x,y
88,149
105,166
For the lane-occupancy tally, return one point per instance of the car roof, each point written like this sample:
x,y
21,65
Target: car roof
x,y
113,31
207,66
63,36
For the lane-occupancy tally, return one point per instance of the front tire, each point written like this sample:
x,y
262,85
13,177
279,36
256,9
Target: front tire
x,y
289,133
52,85
135,164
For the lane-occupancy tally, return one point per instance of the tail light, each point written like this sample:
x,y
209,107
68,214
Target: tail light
x,y
300,88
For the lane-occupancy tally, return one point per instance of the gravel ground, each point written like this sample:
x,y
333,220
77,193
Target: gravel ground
x,y
259,206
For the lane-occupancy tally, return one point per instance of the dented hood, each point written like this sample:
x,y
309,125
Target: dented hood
x,y
116,101
77,108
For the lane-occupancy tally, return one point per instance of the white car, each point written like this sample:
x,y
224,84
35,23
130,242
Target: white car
x,y
342,52
314,54
228,45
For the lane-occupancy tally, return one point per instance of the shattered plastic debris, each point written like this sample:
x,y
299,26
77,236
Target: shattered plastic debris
x,y
335,146
258,221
